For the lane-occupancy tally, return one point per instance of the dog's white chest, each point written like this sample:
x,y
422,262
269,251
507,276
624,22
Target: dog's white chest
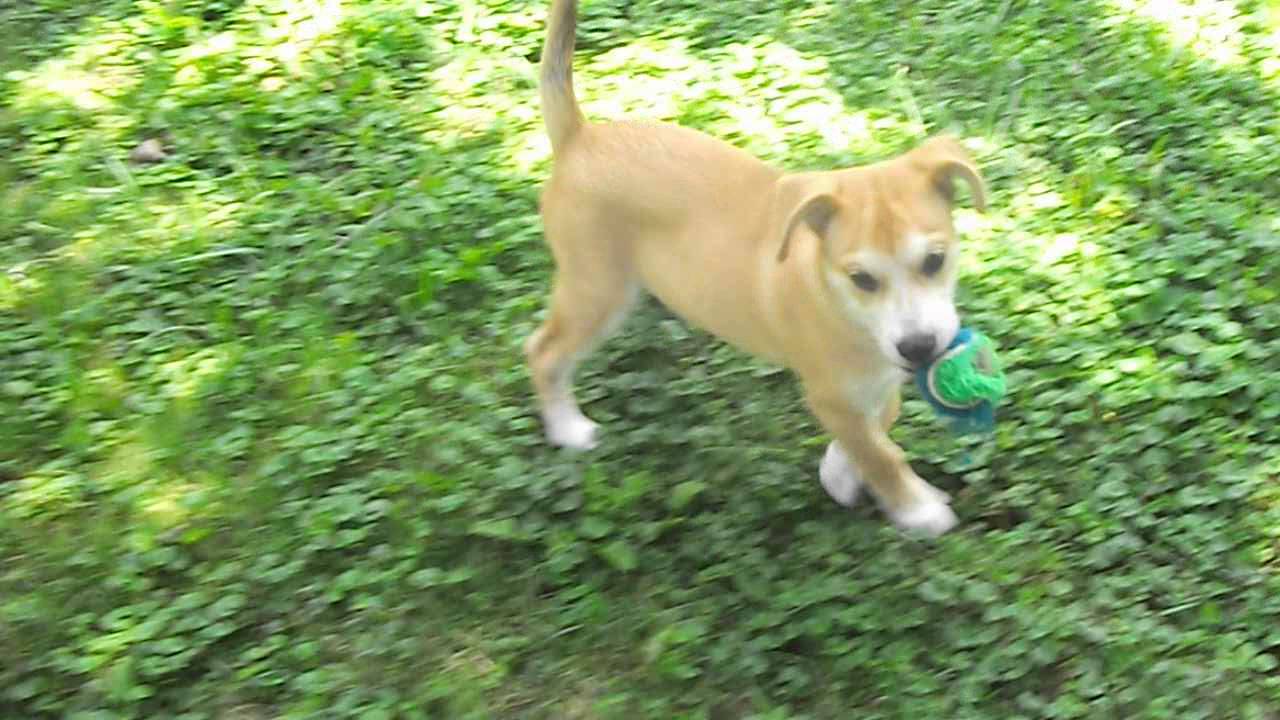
x,y
870,394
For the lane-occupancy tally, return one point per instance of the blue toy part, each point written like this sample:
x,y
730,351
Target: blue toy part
x,y
977,417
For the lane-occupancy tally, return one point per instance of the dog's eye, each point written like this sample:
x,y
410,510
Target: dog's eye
x,y
865,281
933,263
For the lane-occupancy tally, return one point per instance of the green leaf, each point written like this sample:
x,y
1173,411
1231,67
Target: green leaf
x,y
620,555
503,529
684,493
594,527
1188,344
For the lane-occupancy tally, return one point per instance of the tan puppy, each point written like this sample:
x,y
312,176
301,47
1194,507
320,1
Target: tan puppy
x,y
845,277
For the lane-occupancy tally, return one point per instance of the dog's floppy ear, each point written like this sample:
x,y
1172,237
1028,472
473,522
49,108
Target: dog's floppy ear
x,y
945,160
801,200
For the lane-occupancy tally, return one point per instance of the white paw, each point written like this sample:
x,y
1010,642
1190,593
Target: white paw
x,y
931,516
569,428
838,476
941,496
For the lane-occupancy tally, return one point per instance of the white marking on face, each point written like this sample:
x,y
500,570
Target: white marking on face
x,y
907,302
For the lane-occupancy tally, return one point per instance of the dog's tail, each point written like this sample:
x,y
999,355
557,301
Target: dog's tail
x,y
560,109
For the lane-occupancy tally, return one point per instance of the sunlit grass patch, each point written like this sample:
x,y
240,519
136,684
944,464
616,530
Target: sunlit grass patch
x,y
15,286
764,96
90,78
72,104
44,495
1213,30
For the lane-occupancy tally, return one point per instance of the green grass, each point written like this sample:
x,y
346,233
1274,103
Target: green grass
x,y
266,441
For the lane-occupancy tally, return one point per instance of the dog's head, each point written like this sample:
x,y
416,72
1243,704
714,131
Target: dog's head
x,y
889,253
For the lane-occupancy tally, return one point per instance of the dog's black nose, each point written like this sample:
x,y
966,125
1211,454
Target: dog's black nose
x,y
917,349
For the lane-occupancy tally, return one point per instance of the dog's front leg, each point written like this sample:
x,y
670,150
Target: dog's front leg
x,y
862,451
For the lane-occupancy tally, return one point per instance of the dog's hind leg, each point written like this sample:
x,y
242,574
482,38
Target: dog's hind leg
x,y
587,303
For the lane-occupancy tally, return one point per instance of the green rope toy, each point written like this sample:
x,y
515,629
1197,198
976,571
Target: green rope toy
x,y
965,383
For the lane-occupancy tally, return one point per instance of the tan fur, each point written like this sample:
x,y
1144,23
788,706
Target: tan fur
x,y
755,256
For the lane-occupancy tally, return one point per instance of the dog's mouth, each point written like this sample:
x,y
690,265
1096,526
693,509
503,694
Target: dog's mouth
x,y
917,367
913,368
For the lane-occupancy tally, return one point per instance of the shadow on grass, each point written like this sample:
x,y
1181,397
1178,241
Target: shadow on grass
x,y
33,32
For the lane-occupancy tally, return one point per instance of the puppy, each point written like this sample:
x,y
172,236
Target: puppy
x,y
845,277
